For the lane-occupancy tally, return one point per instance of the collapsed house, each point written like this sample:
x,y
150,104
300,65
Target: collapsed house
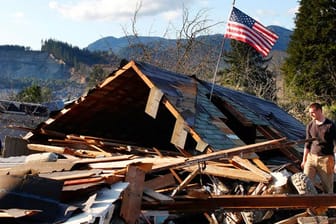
x,y
148,144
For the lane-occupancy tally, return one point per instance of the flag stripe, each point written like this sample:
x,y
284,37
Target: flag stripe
x,y
237,31
242,38
245,29
241,29
267,34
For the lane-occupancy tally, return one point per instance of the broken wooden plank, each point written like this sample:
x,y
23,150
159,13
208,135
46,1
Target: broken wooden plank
x,y
157,161
179,136
231,173
40,167
153,101
161,181
249,166
66,175
132,197
66,150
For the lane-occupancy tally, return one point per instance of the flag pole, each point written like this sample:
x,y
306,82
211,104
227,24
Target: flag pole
x,y
217,65
218,61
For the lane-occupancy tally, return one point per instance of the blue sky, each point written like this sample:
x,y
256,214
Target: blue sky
x,y
81,22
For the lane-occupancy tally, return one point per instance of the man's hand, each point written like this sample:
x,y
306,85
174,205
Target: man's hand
x,y
303,164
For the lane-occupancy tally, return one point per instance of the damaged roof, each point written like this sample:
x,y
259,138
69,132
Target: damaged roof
x,y
144,105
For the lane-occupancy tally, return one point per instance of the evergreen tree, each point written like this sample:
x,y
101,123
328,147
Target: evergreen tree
x,y
247,70
96,76
310,69
34,94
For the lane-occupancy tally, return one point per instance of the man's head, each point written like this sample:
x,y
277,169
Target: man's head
x,y
315,111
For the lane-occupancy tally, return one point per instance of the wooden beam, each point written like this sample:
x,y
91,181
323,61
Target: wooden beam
x,y
185,181
132,196
227,153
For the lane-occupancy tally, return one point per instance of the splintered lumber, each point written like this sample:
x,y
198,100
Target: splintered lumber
x,y
261,165
168,162
66,150
249,166
244,202
231,173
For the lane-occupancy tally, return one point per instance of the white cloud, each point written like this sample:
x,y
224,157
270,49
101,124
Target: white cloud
x,y
19,18
292,11
18,15
117,10
268,13
171,15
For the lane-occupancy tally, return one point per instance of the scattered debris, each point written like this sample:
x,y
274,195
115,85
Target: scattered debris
x,y
148,146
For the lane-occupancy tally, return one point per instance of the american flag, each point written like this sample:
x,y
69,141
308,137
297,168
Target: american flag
x,y
243,28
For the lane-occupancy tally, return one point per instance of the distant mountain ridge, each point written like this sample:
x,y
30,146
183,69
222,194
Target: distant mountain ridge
x,y
118,45
21,66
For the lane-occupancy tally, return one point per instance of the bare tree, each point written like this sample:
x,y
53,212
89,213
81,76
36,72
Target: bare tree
x,y
188,54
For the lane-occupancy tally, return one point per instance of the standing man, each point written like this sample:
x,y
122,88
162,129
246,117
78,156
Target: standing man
x,y
318,155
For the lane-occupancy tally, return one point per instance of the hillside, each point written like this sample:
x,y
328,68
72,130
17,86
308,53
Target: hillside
x,y
31,64
21,68
119,45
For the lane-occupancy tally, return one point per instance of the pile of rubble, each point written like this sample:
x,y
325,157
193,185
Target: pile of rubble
x,y
151,146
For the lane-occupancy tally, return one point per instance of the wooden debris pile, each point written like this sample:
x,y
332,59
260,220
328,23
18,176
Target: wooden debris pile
x,y
229,186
